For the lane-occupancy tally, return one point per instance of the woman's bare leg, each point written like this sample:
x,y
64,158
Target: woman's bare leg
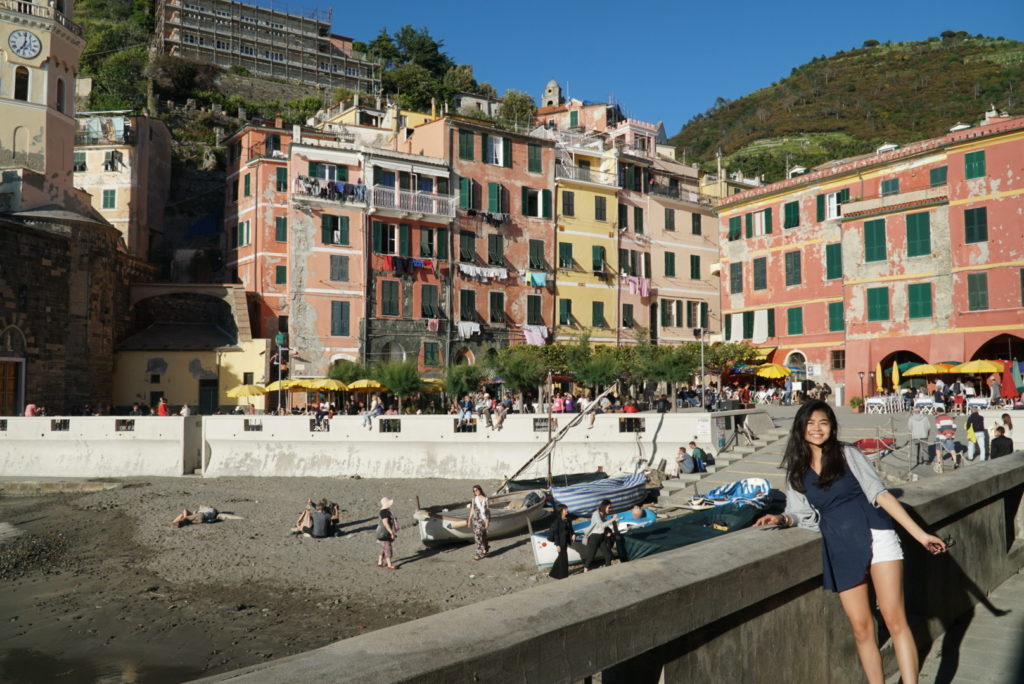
x,y
887,579
858,611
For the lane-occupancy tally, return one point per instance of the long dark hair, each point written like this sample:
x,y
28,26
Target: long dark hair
x,y
797,459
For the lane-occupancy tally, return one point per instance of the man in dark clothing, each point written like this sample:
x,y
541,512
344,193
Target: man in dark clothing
x,y
976,421
1001,444
321,520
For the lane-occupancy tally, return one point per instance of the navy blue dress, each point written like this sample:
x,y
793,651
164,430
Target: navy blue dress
x,y
847,518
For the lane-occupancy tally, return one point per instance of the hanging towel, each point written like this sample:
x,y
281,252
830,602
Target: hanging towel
x,y
389,263
432,324
760,326
535,334
644,286
538,279
467,329
632,283
736,334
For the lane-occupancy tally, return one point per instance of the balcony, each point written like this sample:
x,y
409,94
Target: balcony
x,y
907,198
408,203
585,175
41,12
683,194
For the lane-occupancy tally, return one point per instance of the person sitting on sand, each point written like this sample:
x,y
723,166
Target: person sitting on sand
x,y
203,514
306,524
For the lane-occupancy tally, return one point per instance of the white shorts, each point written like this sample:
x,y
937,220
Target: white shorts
x,y
885,546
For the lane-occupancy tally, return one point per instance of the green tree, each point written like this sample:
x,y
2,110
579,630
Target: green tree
x,y
521,367
116,82
459,79
412,86
593,366
179,78
401,377
517,107
383,48
347,371
416,46
461,379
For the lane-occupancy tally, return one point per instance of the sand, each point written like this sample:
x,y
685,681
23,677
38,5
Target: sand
x,y
99,587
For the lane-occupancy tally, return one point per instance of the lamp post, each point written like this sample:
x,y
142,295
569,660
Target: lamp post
x,y
700,333
871,379
861,374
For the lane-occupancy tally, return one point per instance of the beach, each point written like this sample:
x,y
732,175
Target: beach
x,y
99,587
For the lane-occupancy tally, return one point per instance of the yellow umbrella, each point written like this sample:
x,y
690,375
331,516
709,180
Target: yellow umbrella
x,y
772,370
280,385
878,377
246,391
895,375
927,369
366,385
432,386
973,367
326,384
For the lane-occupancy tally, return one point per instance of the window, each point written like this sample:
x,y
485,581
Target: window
x,y
627,316
243,236
497,301
976,225
281,228
339,319
389,298
670,264
334,172
536,203
759,222
426,242
670,219
874,240
695,266
597,309
234,190
428,302
919,240
282,179
568,203
533,314
794,321
79,161
838,359
565,255
834,261
761,273
442,243
431,354
937,176
600,209
597,258
334,229
466,193
467,246
830,204
495,195
974,164
389,238
735,278
890,186
695,228
735,228
280,275
109,199
533,160
339,268
791,215
793,270
666,313
565,312
835,317
466,145
878,303
977,291
537,255
247,185
495,250
691,314
497,151
21,84
919,296
574,119
623,216
467,305
60,95
638,220
705,310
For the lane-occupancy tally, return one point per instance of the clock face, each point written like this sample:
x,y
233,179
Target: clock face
x,y
25,44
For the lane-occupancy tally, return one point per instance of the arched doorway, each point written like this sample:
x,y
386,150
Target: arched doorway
x,y
1003,346
796,362
12,372
905,360
392,351
465,356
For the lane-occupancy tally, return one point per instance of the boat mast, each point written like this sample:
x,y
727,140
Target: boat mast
x,y
550,401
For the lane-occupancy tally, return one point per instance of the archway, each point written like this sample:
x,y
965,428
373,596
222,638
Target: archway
x,y
465,356
392,351
1004,346
796,362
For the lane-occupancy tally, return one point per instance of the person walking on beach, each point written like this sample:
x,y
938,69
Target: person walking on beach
x,y
834,489
387,532
560,535
976,425
920,427
599,535
479,519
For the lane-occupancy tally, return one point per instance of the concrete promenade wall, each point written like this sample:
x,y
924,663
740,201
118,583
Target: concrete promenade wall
x,y
93,446
745,607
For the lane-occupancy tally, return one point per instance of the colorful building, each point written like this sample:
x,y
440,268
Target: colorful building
x,y
913,253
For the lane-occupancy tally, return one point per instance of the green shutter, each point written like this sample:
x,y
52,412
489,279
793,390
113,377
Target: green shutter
x,y
248,184
483,147
793,270
526,201
835,317
705,310
281,229
564,312
404,180
792,215
844,196
749,221
976,225
735,227
735,278
465,193
597,310
878,303
919,241
919,296
597,257
795,321
314,169
695,267
771,322
574,119
565,255
761,273
466,145
768,221
342,173
974,164
378,236
821,207
506,152
670,264
326,229
874,240
623,216
282,179
534,161
442,243
670,218
281,275
937,176
834,261
977,291
546,203
494,197
404,235
343,229
638,220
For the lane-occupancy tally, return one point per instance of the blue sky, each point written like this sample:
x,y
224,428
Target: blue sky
x,y
664,61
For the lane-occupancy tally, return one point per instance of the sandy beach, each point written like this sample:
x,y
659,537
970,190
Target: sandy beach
x,y
99,587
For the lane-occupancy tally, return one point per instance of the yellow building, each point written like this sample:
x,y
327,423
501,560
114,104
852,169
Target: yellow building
x,y
586,285
359,113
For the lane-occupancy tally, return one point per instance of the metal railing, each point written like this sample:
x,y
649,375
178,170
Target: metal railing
x,y
385,197
41,12
578,173
682,194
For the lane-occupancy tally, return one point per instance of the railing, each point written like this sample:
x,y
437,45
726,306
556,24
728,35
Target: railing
x,y
581,141
106,138
42,12
385,197
579,173
682,194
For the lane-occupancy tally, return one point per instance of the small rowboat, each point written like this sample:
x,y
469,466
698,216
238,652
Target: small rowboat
x,y
510,514
624,492
544,552
557,481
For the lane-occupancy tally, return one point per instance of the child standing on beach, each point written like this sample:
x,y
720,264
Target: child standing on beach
x,y
387,532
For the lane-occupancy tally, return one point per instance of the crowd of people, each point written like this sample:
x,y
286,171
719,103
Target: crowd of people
x,y
927,450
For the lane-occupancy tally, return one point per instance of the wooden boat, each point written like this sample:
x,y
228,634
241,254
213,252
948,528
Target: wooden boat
x,y
624,492
510,514
544,552
688,529
556,481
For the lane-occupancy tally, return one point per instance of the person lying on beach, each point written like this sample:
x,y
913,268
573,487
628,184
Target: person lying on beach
x,y
203,514
306,522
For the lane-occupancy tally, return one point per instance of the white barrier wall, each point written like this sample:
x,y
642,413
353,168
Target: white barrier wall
x,y
97,446
429,446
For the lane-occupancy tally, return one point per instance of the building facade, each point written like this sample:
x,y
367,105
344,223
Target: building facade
x,y
913,253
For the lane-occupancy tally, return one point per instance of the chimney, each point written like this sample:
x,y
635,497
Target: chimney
x,y
278,121
433,108
355,100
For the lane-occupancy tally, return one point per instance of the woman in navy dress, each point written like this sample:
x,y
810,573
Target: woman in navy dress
x,y
834,489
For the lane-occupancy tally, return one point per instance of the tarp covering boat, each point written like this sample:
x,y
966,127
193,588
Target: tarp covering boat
x,y
688,529
623,492
556,481
753,491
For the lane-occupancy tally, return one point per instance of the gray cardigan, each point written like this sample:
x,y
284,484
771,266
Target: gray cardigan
x,y
805,515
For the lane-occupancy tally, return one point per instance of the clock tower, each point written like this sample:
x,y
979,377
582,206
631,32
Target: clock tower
x,y
40,47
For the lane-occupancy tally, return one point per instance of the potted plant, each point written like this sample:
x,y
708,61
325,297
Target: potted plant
x,y
856,404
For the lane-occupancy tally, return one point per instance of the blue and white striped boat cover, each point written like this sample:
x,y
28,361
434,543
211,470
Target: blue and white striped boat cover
x,y
623,492
752,491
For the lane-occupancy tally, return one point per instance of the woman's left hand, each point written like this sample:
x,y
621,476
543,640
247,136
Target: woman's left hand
x,y
934,545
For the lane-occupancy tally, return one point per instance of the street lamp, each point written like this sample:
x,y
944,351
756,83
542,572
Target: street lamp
x,y
700,333
861,374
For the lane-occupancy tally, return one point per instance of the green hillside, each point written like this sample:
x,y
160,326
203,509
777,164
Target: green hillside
x,y
853,101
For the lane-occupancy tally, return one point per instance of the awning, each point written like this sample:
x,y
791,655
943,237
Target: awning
x,y
763,353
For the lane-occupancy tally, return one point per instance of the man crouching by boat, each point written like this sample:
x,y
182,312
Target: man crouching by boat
x,y
599,535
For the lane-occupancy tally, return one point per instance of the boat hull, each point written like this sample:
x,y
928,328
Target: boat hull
x,y
452,526
544,553
624,492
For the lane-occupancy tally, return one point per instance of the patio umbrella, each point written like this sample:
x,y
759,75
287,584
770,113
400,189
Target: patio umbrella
x,y
772,370
895,375
1018,381
976,367
327,384
927,369
246,391
432,386
907,365
366,385
878,377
